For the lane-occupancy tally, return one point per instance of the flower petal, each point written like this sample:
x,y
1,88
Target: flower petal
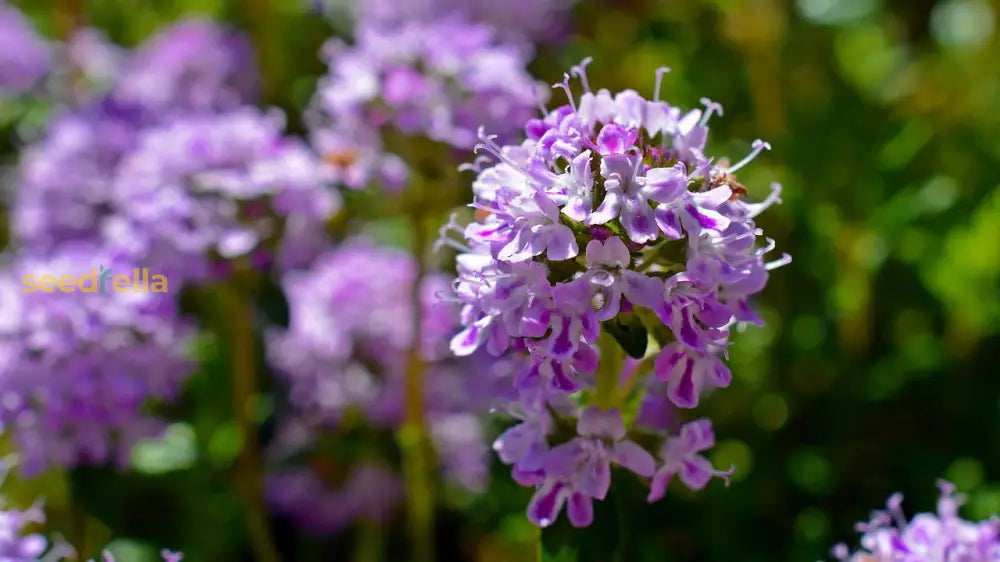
x,y
580,510
633,457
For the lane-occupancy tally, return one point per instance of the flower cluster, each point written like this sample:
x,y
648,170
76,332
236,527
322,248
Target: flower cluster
x,y
537,20
944,537
68,175
368,492
24,56
195,65
609,219
176,171
213,185
16,546
439,79
77,368
343,359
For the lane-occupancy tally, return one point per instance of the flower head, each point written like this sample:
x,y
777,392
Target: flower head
x,y
941,537
78,366
194,65
344,358
24,55
203,189
610,205
440,78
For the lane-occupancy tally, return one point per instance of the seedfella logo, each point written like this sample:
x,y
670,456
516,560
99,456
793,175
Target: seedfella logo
x,y
98,281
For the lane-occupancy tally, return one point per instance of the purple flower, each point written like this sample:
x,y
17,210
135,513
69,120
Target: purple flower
x,y
24,55
343,360
13,545
579,471
210,186
78,368
607,264
65,193
541,20
680,456
194,65
369,491
688,373
440,78
167,555
944,537
663,228
68,178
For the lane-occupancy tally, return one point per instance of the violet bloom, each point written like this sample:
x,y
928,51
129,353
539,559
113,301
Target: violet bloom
x,y
927,537
440,79
343,360
14,546
68,177
78,368
579,471
607,264
680,456
24,55
369,492
194,65
539,20
206,188
671,251
167,556
87,66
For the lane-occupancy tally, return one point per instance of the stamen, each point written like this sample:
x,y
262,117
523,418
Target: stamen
x,y
895,506
541,94
580,71
487,143
784,260
758,146
710,108
569,93
445,297
474,166
451,243
754,209
659,78
477,204
444,238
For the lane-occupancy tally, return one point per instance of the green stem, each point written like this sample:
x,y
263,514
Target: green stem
x,y
262,22
413,438
249,467
539,550
368,547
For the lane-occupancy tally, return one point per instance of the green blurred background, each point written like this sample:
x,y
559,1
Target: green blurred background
x,y
877,368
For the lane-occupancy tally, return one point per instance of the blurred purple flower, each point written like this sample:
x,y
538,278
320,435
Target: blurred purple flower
x,y
24,55
77,368
194,65
927,537
17,547
213,185
344,356
368,492
539,20
440,78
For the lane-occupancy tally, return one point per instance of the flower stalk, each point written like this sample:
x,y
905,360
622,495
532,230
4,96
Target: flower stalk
x,y
249,467
413,438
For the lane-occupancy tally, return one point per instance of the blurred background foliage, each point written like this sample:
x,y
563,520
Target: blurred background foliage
x,y
876,370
